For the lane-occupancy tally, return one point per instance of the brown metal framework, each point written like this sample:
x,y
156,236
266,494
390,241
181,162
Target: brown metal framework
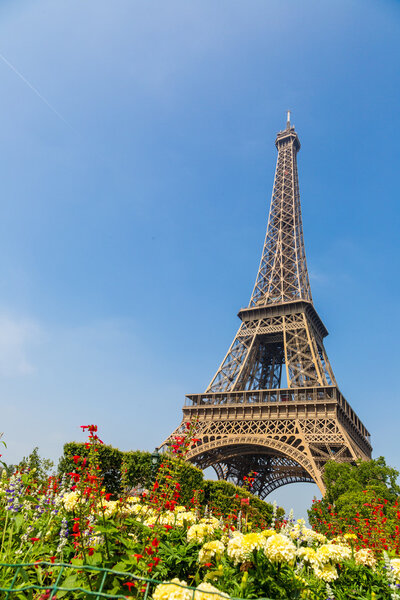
x,y
248,420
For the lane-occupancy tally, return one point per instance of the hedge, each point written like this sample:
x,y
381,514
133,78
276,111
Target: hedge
x,y
138,471
225,498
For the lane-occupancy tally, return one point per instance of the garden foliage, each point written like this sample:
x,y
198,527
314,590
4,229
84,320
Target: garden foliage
x,y
361,499
73,519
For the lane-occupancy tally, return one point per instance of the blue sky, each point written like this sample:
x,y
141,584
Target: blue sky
x,y
133,212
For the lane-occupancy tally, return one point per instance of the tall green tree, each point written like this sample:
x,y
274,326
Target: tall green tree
x,y
347,486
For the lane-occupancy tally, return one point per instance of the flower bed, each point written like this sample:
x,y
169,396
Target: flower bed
x,y
74,521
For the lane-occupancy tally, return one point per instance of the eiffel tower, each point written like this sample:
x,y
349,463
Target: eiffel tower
x,y
273,408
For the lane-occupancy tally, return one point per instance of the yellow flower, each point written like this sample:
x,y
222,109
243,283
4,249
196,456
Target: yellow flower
x,y
268,532
70,500
140,509
236,549
395,564
133,499
206,591
109,507
151,517
209,550
211,521
326,573
166,518
332,552
253,541
185,518
199,532
279,548
307,554
350,536
317,537
173,590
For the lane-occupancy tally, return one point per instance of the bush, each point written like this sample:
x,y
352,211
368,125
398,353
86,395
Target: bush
x,y
225,499
134,469
109,459
360,500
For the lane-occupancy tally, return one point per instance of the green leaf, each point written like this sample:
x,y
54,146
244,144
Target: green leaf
x,y
121,566
19,519
70,581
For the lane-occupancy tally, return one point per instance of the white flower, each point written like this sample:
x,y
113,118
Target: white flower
x,y
366,557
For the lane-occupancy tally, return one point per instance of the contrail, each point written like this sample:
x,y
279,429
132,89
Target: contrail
x,y
32,87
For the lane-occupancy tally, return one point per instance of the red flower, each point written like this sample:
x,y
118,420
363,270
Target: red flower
x,y
138,556
130,584
34,539
91,551
155,543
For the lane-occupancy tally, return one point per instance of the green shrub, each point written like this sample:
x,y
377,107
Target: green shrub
x,y
109,459
225,498
135,470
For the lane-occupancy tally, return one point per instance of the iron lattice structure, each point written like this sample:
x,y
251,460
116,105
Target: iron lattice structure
x,y
273,407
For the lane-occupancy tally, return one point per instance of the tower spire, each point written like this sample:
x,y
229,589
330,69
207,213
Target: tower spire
x,y
282,274
288,119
